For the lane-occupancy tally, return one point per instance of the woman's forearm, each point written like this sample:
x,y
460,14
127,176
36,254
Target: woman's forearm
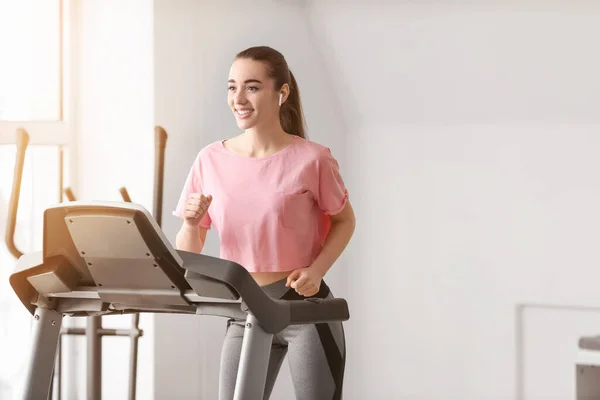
x,y
337,239
189,239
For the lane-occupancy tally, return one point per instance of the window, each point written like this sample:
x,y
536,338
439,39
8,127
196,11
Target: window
x,y
33,77
30,71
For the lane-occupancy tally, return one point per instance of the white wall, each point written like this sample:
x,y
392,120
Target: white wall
x,y
194,45
472,134
114,127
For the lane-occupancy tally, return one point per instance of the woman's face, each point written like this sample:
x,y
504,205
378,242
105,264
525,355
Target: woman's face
x,y
251,96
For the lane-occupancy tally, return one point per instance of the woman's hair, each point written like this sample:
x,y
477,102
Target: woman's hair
x,y
290,114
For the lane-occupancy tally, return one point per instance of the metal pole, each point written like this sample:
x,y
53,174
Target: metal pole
x,y
61,180
13,205
134,356
160,143
254,361
94,358
59,367
46,331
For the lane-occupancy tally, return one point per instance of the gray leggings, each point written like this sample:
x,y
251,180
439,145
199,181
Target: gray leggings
x,y
316,353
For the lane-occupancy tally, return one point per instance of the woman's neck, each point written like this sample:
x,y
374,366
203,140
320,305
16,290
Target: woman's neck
x,y
260,142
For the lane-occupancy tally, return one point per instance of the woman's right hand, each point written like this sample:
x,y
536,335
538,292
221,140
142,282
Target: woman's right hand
x,y
196,207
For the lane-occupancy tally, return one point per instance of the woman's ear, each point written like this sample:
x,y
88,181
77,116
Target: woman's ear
x,y
284,92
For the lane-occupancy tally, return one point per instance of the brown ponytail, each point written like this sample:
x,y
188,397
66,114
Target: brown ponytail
x,y
291,111
290,114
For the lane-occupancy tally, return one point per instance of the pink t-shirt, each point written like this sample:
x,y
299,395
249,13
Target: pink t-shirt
x,y
271,213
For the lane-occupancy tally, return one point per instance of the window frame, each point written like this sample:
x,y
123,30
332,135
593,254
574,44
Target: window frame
x,y
53,132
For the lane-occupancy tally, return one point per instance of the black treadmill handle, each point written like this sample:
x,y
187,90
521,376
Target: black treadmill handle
x,y
314,311
272,314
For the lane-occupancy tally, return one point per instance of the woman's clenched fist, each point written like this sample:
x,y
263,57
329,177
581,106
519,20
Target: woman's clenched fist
x,y
196,207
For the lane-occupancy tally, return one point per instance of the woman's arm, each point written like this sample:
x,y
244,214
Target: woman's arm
x,y
306,281
342,229
190,238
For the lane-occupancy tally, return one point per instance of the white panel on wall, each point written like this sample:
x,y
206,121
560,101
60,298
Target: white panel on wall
x,y
549,350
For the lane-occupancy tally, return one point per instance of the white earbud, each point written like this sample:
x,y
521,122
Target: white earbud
x,y
280,98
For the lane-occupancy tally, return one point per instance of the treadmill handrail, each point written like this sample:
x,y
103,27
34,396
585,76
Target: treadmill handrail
x,y
273,314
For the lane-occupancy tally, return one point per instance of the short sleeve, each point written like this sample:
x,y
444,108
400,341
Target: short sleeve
x,y
192,185
332,193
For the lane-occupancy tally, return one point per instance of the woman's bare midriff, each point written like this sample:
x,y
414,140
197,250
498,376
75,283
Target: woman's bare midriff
x,y
265,278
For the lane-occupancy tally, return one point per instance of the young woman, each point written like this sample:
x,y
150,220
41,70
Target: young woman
x,y
281,210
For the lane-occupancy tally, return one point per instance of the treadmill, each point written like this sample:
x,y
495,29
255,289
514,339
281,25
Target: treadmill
x,y
106,258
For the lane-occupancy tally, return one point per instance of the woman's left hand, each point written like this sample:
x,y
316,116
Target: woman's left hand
x,y
306,281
